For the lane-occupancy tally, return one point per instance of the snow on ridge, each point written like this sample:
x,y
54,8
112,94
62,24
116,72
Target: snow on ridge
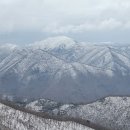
x,y
110,112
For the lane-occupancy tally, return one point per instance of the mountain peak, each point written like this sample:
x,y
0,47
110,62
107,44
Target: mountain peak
x,y
54,42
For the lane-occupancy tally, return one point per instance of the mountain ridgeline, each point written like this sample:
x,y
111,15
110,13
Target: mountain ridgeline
x,y
64,70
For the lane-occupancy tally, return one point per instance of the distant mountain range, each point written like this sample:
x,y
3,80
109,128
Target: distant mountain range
x,y
64,70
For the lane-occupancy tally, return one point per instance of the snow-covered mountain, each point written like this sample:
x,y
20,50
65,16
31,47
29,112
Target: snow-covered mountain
x,y
61,69
111,112
6,49
12,119
59,42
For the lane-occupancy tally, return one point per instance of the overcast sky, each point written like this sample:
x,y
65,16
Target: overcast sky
x,y
25,21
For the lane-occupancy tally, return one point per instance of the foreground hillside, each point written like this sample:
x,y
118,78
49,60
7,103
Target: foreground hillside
x,y
111,112
18,120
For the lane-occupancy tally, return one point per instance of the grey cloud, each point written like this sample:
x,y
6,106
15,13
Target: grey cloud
x,y
64,16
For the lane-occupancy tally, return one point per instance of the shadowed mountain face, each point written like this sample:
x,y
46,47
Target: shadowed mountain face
x,y
64,70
